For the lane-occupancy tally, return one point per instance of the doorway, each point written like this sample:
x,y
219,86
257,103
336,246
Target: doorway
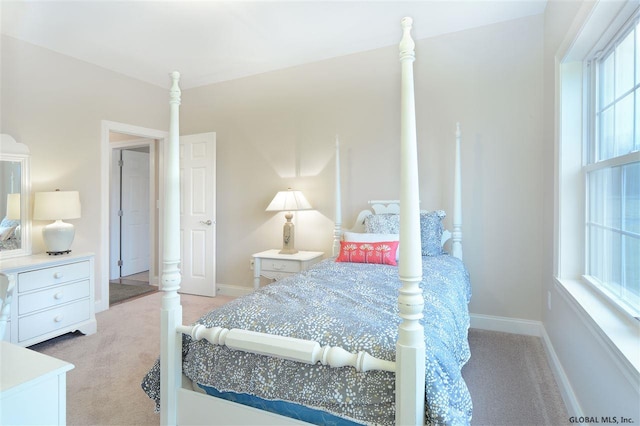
x,y
131,200
120,136
133,232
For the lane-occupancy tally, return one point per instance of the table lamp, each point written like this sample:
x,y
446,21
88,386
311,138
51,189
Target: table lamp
x,y
57,205
288,201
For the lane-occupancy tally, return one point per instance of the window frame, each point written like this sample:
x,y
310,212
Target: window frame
x,y
614,330
590,149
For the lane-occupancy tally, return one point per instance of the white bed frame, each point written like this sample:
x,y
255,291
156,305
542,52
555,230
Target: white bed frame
x,y
180,404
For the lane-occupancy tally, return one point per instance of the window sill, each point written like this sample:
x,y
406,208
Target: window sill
x,y
618,330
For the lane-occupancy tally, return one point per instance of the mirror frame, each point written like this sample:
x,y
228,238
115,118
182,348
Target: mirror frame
x,y
10,150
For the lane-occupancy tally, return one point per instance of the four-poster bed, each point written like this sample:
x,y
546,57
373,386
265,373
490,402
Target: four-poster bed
x,y
336,323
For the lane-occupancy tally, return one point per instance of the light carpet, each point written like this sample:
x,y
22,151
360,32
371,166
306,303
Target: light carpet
x,y
508,375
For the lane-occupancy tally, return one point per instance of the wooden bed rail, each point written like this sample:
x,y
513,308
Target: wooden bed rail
x,y
289,348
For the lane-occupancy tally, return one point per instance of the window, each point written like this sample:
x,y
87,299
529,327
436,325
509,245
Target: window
x,y
612,169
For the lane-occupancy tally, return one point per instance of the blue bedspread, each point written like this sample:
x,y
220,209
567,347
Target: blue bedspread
x,y
353,306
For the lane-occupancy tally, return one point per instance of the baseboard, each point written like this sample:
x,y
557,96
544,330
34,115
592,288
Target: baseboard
x,y
533,328
232,290
566,390
507,325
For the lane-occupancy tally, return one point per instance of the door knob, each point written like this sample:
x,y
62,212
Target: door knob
x,y
208,222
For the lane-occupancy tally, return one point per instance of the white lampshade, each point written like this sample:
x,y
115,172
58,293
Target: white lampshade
x,y
57,205
288,201
13,206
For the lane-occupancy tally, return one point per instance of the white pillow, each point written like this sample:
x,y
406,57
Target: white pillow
x,y
358,237
6,232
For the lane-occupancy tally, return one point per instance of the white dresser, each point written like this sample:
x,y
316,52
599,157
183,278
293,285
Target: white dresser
x,y
33,387
53,295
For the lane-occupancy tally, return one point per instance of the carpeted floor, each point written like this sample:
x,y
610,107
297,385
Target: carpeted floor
x,y
508,375
511,382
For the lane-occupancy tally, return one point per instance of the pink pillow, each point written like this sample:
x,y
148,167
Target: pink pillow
x,y
380,252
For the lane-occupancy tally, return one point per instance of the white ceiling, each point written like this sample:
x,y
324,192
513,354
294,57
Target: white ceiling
x,y
213,41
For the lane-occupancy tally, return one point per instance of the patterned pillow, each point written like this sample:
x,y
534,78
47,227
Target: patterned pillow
x,y
386,223
431,232
372,238
430,229
381,253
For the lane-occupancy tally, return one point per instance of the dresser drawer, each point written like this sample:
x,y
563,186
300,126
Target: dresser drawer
x,y
46,277
278,265
31,326
51,297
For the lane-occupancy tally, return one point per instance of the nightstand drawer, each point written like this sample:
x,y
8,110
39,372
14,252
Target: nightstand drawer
x,y
53,296
277,265
44,322
46,277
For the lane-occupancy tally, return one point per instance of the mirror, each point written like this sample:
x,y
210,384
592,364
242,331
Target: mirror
x,y
15,226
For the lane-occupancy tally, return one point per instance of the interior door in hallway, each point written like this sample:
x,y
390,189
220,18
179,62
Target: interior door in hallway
x,y
197,213
134,206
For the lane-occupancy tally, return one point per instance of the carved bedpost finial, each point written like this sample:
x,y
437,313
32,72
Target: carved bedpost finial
x,y
175,92
407,44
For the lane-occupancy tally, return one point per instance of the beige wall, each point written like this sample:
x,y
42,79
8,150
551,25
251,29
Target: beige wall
x,y
277,130
55,104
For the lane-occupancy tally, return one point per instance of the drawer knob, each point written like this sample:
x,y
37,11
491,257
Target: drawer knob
x,y
278,267
58,275
58,295
58,318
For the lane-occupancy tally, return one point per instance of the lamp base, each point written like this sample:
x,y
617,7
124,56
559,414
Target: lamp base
x,y
288,236
58,237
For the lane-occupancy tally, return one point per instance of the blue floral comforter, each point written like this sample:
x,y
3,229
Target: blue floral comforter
x,y
353,306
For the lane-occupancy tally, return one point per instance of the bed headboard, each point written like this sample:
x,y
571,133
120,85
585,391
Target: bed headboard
x,y
386,207
393,206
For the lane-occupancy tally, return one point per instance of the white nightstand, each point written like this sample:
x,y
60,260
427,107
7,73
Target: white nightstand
x,y
33,387
273,265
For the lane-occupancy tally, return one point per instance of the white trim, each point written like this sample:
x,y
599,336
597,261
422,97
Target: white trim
x,y
102,303
507,325
564,385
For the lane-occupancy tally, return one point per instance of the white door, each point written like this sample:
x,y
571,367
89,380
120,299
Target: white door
x,y
134,249
197,213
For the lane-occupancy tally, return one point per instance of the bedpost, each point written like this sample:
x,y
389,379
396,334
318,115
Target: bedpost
x,y
337,230
456,235
171,314
410,349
